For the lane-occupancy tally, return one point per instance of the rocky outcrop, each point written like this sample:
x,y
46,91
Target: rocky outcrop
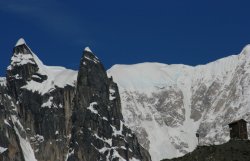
x,y
56,114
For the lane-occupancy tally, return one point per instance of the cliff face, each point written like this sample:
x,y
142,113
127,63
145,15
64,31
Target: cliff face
x,y
231,151
97,120
56,114
9,142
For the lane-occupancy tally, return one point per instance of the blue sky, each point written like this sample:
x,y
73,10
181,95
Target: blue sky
x,y
125,32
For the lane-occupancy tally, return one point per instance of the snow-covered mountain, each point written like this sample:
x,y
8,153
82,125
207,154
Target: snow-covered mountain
x,y
167,104
54,113
50,113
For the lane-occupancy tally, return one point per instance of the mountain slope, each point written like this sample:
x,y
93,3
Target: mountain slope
x,y
52,113
167,104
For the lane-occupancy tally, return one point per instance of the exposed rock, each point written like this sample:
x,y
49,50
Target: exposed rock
x,y
97,120
9,143
50,114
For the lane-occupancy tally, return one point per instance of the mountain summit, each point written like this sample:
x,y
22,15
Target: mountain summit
x,y
87,49
21,41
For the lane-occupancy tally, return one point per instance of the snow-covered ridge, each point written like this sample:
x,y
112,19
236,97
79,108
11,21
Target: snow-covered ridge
x,y
148,75
166,101
57,77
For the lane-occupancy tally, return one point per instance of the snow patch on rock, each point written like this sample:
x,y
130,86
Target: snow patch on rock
x,y
2,149
57,77
92,109
2,81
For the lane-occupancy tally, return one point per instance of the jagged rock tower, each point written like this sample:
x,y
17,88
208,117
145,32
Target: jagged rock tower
x,y
56,114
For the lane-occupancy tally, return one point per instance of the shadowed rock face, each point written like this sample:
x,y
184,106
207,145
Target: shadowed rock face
x,y
48,116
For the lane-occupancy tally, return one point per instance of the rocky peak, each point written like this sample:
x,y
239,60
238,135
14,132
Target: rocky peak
x,y
97,120
21,68
22,55
92,75
21,41
89,57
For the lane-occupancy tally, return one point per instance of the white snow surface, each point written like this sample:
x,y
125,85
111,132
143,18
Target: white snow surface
x,y
88,49
21,41
150,76
57,76
139,81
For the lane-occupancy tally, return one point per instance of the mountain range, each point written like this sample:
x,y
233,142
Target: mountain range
x,y
129,112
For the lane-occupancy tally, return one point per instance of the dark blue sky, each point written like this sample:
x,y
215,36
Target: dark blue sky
x,y
125,32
